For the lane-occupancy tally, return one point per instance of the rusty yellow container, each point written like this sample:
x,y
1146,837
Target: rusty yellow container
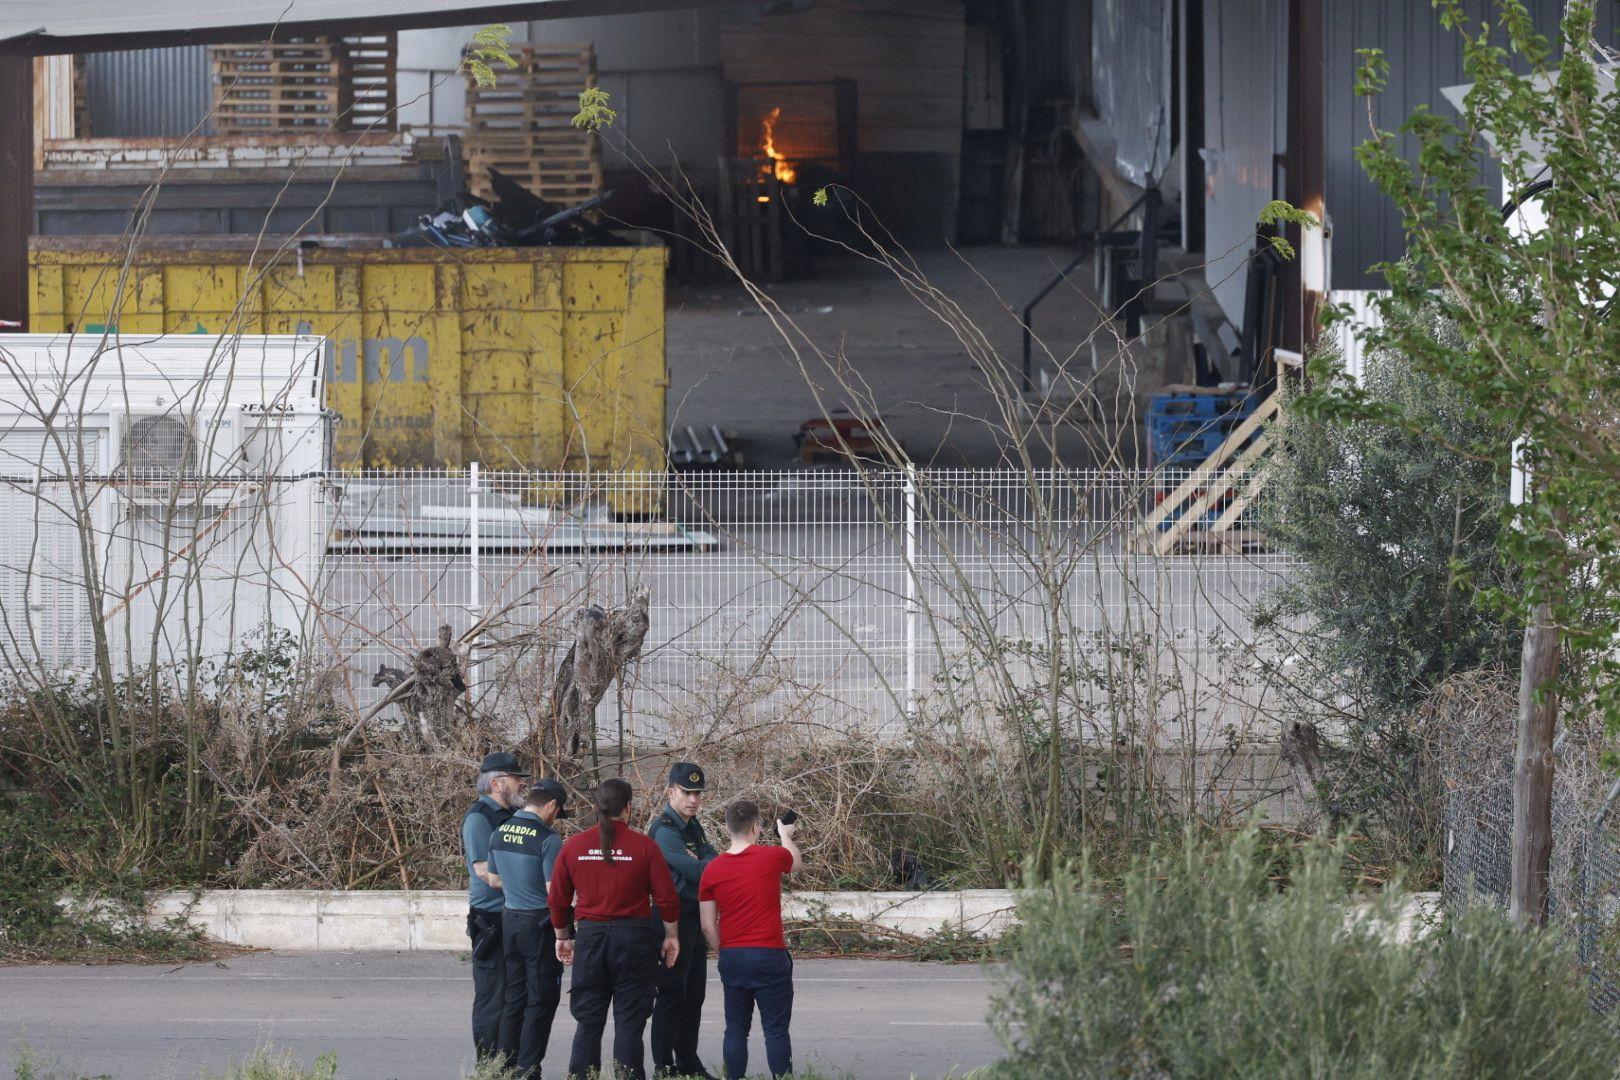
x,y
517,358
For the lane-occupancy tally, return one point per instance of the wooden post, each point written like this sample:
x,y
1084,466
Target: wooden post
x,y
1533,769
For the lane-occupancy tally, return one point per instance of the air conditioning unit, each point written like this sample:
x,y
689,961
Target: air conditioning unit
x,y
174,460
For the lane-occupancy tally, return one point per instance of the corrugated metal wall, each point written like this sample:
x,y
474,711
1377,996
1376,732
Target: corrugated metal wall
x,y
1423,57
148,92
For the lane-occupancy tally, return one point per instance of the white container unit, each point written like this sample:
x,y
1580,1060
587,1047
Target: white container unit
x,y
167,486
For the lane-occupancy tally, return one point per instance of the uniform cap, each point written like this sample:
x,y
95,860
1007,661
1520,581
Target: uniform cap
x,y
503,761
684,774
546,789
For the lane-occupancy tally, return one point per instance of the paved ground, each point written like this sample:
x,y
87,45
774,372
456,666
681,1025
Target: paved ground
x,y
404,1016
727,365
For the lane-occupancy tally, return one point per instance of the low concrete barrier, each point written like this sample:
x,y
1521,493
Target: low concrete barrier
x,y
299,919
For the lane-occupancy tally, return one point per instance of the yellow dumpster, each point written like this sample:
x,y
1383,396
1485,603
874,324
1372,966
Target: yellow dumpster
x,y
517,358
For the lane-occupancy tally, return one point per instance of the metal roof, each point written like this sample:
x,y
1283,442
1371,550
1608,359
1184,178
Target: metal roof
x,y
96,25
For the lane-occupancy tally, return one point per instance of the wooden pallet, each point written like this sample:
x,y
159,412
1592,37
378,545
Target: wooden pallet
x,y
1181,521
523,125
367,69
305,85
745,204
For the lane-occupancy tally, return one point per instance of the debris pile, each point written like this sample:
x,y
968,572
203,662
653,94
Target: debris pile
x,y
517,217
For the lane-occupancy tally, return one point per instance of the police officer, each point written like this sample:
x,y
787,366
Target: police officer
x,y
501,783
679,1005
521,857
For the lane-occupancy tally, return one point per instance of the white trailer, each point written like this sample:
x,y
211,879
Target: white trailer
x,y
166,488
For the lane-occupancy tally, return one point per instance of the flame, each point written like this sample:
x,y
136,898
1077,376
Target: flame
x,y
779,164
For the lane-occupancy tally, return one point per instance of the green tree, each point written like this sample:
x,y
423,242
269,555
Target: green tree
x,y
1534,351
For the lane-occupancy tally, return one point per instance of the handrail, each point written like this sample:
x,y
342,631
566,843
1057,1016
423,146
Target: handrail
x,y
1090,245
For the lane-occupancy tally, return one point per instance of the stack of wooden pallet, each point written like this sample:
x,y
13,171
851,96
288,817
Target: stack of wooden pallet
x,y
366,67
523,125
304,85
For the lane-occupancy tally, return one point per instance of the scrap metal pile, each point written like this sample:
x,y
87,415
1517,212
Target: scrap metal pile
x,y
515,218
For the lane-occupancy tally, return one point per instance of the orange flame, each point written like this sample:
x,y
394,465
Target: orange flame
x,y
779,164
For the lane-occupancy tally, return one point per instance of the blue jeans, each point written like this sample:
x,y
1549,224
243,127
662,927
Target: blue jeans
x,y
762,977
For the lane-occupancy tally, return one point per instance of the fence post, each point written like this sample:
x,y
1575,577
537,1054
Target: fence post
x,y
475,585
911,588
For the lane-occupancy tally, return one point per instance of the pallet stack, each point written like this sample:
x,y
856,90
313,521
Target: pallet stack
x,y
305,85
1184,428
524,124
367,66
276,87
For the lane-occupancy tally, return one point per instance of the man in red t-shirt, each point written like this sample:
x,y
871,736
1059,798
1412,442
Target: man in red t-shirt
x,y
740,906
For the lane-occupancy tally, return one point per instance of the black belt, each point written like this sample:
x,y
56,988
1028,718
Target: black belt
x,y
644,923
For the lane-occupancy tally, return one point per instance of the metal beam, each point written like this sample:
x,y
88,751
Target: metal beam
x,y
201,32
16,184
1306,159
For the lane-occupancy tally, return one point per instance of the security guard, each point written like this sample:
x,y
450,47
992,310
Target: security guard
x,y
679,1005
521,857
501,783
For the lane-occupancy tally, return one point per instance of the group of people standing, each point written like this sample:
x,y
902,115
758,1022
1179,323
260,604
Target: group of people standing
x,y
633,914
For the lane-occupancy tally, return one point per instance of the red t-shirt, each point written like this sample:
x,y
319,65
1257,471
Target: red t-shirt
x,y
592,887
747,891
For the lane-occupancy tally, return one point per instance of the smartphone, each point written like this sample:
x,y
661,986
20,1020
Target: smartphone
x,y
789,818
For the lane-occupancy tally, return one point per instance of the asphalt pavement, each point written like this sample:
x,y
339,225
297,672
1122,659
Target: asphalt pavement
x,y
404,1016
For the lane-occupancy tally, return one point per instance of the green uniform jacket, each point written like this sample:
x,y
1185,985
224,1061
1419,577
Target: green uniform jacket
x,y
686,850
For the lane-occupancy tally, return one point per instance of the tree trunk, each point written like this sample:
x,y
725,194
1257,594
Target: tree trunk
x,y
605,641
1533,769
1301,751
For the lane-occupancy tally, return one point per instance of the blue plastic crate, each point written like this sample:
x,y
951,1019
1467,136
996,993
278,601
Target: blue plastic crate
x,y
1203,444
1206,406
1172,426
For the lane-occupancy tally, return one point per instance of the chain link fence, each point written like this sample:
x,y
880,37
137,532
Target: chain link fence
x,y
1476,759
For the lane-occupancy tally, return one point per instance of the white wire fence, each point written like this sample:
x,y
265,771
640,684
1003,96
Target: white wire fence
x,y
847,597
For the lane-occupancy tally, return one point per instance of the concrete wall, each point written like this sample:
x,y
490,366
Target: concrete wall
x,y
662,70
437,920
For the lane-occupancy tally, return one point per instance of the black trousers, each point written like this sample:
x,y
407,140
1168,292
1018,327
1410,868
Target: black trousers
x,y
615,964
489,980
533,988
678,1008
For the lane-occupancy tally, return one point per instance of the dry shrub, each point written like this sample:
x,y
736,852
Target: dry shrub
x,y
1471,723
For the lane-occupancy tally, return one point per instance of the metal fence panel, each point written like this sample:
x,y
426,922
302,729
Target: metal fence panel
x,y
852,597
